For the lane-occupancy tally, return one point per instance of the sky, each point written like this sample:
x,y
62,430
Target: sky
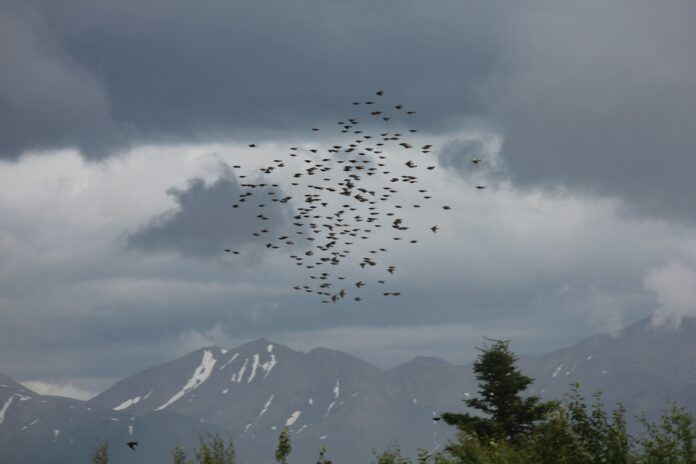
x,y
120,124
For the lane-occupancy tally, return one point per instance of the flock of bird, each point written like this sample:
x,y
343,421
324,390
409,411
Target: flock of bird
x,y
346,193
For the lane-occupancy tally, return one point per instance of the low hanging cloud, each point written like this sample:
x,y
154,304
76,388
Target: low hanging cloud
x,y
204,223
675,288
59,389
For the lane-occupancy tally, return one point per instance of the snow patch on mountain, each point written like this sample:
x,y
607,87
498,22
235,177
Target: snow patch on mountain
x,y
293,418
127,404
254,366
270,364
235,356
4,408
200,375
558,369
30,424
237,376
328,410
265,406
337,388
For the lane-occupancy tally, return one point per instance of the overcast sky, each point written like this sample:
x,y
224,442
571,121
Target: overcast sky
x,y
120,123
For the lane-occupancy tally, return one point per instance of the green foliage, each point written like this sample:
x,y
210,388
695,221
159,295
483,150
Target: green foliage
x,y
469,449
100,454
391,455
508,414
212,450
322,456
284,447
555,440
179,455
672,440
427,457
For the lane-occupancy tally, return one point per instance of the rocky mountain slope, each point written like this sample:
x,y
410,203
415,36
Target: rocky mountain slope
x,y
328,398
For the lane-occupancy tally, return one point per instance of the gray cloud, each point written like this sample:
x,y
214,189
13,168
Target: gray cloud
x,y
178,71
593,96
599,97
204,223
47,100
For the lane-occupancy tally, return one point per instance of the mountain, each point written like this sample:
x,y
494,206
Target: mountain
x,y
42,429
325,397
329,398
644,367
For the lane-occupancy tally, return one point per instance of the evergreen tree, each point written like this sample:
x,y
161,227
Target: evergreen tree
x,y
322,456
284,447
507,414
392,455
214,451
179,455
100,454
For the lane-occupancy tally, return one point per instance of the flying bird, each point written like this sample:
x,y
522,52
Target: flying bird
x,y
132,444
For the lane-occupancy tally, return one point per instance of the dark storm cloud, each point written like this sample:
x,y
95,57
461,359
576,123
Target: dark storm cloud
x,y
204,222
181,71
47,100
598,96
590,95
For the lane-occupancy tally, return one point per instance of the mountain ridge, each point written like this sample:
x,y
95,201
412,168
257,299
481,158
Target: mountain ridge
x,y
331,398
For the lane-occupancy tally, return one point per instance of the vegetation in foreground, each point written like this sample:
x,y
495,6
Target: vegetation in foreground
x,y
512,429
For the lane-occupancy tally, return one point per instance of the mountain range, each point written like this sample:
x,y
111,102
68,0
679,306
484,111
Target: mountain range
x,y
326,398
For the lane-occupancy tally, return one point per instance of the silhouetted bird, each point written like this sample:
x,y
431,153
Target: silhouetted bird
x,y
132,444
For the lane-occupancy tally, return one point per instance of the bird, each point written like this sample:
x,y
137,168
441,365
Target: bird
x,y
476,161
318,219
480,187
132,444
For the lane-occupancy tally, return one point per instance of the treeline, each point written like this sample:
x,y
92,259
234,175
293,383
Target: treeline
x,y
510,428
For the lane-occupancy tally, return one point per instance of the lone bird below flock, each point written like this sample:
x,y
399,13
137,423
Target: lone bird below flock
x,y
132,444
